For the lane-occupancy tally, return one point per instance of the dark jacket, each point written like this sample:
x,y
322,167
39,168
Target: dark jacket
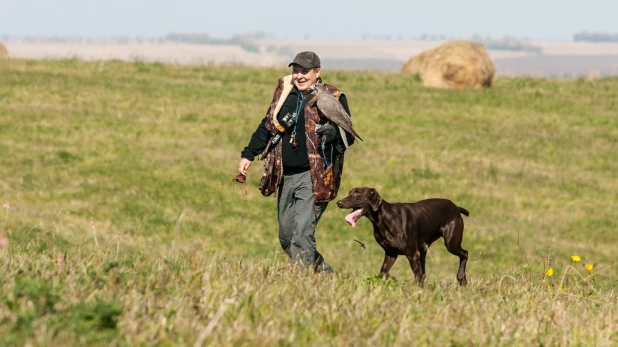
x,y
293,161
282,158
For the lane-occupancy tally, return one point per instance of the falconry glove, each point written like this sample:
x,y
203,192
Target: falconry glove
x,y
328,133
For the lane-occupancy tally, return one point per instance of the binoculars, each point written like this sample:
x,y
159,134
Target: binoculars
x,y
285,123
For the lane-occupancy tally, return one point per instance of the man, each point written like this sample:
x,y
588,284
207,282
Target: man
x,y
305,171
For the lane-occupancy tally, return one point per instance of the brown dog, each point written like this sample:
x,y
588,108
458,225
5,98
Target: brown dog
x,y
409,228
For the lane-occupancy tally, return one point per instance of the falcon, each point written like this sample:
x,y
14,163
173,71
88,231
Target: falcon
x,y
334,111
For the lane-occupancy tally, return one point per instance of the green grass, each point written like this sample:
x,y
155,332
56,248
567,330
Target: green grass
x,y
147,153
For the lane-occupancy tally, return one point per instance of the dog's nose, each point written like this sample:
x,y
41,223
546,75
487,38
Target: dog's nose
x,y
339,203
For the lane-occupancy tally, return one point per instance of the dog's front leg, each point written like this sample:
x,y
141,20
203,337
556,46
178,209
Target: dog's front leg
x,y
389,260
417,269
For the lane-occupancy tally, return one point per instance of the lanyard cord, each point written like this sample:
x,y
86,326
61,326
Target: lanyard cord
x,y
298,107
331,155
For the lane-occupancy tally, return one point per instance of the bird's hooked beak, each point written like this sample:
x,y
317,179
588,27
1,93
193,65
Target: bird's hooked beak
x,y
315,88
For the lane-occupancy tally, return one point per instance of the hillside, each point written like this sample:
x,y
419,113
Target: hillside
x,y
123,226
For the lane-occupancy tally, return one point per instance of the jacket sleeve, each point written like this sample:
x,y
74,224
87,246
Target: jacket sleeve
x,y
258,141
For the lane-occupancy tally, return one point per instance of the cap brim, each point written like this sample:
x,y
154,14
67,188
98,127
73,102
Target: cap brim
x,y
306,65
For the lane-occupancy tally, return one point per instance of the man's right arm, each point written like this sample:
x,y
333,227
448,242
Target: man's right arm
x,y
258,142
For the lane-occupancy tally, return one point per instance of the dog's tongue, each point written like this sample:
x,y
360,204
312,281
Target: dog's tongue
x,y
353,217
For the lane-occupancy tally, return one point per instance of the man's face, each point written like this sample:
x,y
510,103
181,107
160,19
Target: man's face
x,y
304,78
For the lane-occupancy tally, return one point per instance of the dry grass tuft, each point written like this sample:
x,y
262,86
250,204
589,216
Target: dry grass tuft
x,y
184,298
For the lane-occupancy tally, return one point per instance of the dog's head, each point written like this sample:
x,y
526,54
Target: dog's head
x,y
361,200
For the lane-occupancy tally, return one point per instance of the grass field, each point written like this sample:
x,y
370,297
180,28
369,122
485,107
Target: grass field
x,y
123,227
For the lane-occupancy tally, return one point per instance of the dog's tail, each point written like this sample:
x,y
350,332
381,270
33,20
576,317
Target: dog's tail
x,y
464,211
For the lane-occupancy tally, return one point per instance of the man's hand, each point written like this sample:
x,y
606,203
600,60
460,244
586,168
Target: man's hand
x,y
243,166
328,132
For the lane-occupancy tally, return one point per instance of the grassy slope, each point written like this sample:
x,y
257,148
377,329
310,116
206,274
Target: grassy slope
x,y
146,150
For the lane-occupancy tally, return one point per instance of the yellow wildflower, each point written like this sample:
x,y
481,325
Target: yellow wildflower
x,y
549,272
576,258
589,267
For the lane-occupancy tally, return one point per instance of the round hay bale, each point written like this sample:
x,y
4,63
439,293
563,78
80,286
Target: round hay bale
x,y
4,53
459,64
415,64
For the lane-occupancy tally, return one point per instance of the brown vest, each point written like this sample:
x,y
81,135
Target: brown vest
x,y
325,180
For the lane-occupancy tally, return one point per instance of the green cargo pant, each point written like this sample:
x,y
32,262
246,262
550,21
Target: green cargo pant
x,y
298,219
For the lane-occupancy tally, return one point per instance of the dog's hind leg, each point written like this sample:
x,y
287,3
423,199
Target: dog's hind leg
x,y
463,259
453,245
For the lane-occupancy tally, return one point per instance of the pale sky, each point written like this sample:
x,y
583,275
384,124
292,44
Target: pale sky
x,y
318,19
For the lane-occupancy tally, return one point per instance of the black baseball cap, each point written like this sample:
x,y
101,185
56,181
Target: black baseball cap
x,y
307,59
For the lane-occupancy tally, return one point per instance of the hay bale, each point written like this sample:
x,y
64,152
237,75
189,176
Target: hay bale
x,y
459,64
4,53
415,64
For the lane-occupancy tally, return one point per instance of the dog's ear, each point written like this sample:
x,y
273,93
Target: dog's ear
x,y
374,199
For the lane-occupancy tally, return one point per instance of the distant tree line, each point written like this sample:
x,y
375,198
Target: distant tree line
x,y
429,37
507,43
595,37
237,40
400,37
281,50
513,46
81,40
205,39
49,39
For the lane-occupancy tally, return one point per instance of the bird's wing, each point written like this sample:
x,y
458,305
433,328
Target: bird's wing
x,y
344,138
334,111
